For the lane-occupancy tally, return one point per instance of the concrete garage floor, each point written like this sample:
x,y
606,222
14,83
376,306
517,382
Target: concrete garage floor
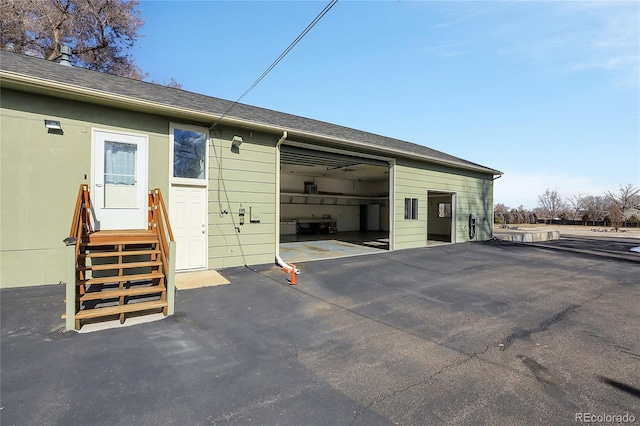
x,y
478,333
307,247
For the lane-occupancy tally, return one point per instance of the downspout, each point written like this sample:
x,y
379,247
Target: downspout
x,y
493,207
281,263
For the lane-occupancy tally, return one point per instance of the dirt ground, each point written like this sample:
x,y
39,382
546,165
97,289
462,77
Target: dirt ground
x,y
571,230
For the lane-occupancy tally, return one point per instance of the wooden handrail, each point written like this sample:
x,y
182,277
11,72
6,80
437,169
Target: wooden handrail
x,y
75,221
81,220
165,215
159,223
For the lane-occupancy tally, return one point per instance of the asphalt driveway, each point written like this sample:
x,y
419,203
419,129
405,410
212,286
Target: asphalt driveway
x,y
475,333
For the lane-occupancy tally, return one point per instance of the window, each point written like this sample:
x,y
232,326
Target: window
x,y
411,208
119,163
189,154
444,209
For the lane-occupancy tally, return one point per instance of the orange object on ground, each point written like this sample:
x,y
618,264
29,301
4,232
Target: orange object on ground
x,y
292,271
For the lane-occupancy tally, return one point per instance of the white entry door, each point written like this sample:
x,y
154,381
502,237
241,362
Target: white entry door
x,y
189,223
188,194
119,180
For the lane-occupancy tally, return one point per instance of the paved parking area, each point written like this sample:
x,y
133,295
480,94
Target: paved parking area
x,y
475,333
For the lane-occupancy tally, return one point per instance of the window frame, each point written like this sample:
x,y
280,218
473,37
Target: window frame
x,y
443,211
182,180
411,206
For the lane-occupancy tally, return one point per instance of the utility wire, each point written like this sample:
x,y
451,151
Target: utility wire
x,y
282,55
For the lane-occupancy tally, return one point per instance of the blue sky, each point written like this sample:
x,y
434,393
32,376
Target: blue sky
x,y
547,92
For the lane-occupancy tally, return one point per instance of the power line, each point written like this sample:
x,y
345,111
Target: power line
x,y
282,55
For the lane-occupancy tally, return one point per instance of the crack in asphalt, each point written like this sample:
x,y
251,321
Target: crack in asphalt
x,y
515,335
525,333
519,334
395,392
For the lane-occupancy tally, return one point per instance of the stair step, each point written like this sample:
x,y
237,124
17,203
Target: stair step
x,y
118,237
120,253
119,309
113,294
122,278
111,266
120,241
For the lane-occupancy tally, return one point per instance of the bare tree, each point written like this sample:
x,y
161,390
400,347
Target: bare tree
x,y
98,31
595,207
551,203
615,216
626,198
171,83
576,204
500,213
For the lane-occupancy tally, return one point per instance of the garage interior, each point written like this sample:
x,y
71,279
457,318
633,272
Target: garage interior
x,y
331,205
440,211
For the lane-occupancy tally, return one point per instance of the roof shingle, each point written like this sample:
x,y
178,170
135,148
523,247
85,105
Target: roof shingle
x,y
120,86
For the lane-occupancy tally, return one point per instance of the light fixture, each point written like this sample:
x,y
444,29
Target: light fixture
x,y
52,125
236,141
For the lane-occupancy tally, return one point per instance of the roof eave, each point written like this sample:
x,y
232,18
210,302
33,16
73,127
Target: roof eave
x,y
14,80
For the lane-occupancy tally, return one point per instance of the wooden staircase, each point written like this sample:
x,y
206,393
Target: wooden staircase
x,y
120,273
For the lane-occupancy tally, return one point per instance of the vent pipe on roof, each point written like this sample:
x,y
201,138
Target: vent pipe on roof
x,y
65,58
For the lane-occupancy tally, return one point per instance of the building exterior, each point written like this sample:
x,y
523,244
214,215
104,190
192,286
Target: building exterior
x,y
228,181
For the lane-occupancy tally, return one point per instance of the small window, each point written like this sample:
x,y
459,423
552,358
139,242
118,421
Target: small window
x,y
444,209
189,154
411,208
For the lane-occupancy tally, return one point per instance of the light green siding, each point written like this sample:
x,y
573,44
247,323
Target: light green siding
x,y
242,177
473,194
40,174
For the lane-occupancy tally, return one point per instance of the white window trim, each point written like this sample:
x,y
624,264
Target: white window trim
x,y
411,212
454,211
187,181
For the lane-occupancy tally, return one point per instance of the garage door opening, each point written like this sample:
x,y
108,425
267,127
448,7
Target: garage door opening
x,y
332,205
440,214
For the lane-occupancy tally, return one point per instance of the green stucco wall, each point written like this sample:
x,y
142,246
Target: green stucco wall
x,y
40,174
474,194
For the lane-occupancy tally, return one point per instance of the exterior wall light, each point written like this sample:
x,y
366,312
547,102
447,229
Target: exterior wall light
x,y
236,141
52,125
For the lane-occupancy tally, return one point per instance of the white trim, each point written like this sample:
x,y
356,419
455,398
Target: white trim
x,y
187,181
454,213
144,136
200,183
392,205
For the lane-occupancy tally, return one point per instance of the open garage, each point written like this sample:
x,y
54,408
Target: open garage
x,y
332,204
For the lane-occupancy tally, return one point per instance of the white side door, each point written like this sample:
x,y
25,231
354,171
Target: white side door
x,y
119,184
189,224
188,194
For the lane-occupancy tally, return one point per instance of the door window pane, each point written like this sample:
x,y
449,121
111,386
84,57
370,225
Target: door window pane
x,y
120,163
189,151
120,175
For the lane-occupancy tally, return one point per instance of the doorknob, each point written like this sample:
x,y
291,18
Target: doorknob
x,y
99,185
